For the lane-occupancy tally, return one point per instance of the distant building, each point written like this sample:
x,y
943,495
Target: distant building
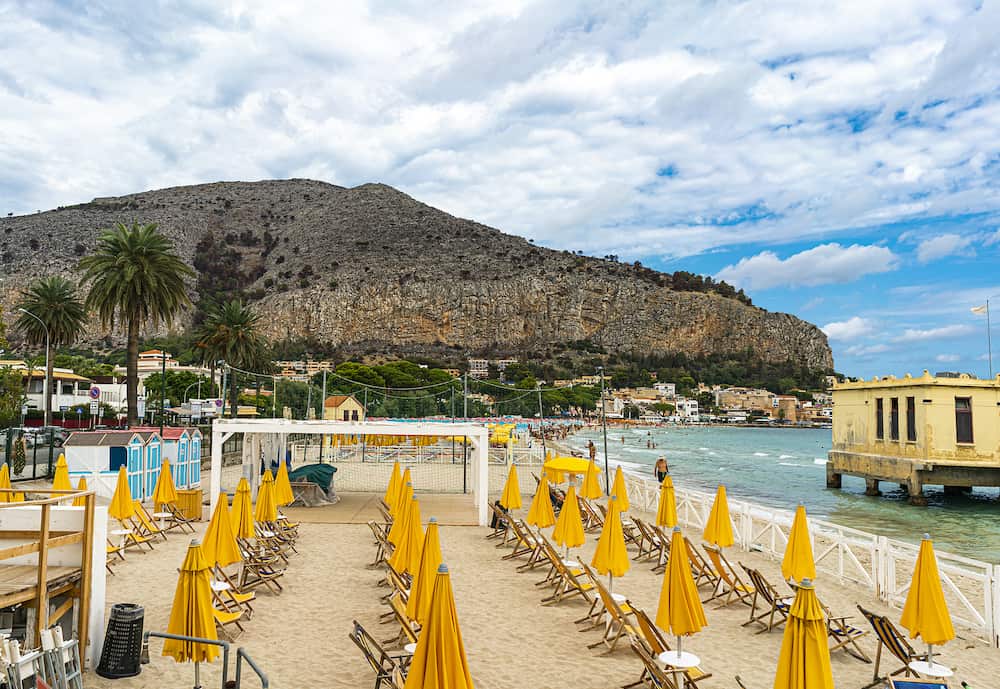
x,y
479,368
785,407
668,390
68,388
687,409
745,398
302,370
152,361
343,408
917,431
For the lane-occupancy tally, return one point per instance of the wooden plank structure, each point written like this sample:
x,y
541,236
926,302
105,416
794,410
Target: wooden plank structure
x,y
35,585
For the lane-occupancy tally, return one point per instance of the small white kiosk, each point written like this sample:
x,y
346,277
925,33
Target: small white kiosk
x,y
97,455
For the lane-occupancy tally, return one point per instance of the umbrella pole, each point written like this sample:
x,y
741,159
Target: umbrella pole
x,y
611,581
930,654
680,644
197,675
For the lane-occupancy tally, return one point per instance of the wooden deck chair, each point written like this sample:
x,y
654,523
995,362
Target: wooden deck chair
x,y
631,533
774,606
617,624
592,519
397,582
259,569
145,523
408,629
730,587
702,571
524,542
528,542
890,639
552,558
383,549
498,525
233,595
656,644
177,519
844,635
115,555
135,538
653,673
225,619
381,662
661,564
570,581
650,545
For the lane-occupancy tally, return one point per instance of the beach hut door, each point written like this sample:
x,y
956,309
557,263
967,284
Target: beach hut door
x,y
135,469
152,465
181,475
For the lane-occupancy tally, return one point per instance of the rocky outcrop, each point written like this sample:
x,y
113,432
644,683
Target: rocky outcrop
x,y
370,266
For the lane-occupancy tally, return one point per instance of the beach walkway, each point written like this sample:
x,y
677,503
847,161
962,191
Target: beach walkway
x,y
359,508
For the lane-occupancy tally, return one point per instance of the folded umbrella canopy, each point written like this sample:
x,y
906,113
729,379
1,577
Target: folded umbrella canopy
x,y
191,614
569,525
164,493
283,494
406,556
242,514
804,660
392,490
557,466
61,479
439,661
666,510
219,545
540,513
265,509
121,507
418,605
511,496
798,563
402,512
719,528
80,485
618,490
679,611
611,557
5,482
591,488
925,613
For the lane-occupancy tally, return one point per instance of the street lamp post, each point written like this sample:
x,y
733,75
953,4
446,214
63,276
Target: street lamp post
x,y
604,426
541,418
45,380
163,390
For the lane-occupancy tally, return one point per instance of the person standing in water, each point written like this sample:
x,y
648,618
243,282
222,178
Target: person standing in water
x,y
661,469
592,449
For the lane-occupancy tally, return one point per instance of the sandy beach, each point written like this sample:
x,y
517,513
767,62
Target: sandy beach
x,y
300,638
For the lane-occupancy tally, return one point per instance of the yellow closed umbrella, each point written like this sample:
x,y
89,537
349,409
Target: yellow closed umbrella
x,y
404,481
718,528
611,557
679,611
804,660
18,497
61,479
164,492
219,545
121,507
439,660
283,494
591,488
798,563
406,556
5,482
242,514
618,490
511,496
396,530
191,613
265,509
925,613
666,510
392,490
541,513
422,585
80,485
569,525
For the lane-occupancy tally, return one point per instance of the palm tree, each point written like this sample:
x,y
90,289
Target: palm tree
x,y
51,315
230,332
136,278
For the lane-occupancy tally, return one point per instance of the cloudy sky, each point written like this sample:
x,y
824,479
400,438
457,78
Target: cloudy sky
x,y
840,162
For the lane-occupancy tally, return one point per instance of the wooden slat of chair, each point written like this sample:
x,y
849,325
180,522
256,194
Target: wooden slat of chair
x,y
178,520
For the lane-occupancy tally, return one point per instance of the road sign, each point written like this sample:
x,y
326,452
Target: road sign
x,y
140,406
94,407
24,409
63,407
95,393
79,411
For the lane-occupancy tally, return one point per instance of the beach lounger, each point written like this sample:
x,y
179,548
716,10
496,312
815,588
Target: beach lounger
x,y
701,570
145,523
232,598
570,580
649,542
661,564
259,569
408,629
730,587
397,582
115,555
654,643
498,525
527,543
225,620
774,606
177,519
134,538
920,684
384,664
551,557
616,623
844,635
890,639
592,519
383,549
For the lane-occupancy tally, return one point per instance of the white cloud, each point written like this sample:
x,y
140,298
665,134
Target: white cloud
x,y
943,245
947,358
851,329
822,265
867,351
943,333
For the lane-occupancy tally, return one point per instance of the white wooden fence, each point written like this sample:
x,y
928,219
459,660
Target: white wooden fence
x,y
881,565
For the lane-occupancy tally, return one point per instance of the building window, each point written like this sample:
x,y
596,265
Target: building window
x,y
879,419
963,419
347,415
911,419
354,415
894,418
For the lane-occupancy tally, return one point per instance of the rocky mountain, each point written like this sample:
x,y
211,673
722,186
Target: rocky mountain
x,y
372,269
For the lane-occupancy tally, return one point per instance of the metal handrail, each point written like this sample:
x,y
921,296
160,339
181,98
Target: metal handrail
x,y
242,655
144,658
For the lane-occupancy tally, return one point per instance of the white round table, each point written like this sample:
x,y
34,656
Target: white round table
x,y
682,660
220,585
121,533
619,598
930,669
410,648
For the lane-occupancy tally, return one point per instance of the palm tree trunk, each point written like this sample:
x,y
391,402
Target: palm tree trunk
x,y
47,388
132,371
211,384
232,393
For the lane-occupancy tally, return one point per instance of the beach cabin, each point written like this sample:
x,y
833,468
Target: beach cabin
x,y
98,456
182,446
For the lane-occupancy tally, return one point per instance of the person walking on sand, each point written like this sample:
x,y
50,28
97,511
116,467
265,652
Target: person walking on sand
x,y
661,469
592,449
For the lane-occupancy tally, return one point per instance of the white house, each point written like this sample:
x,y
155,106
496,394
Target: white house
x,y
98,455
687,409
68,388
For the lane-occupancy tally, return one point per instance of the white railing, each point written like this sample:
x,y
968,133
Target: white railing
x,y
850,556
410,454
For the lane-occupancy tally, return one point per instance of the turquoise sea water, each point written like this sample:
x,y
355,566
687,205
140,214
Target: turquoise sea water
x,y
781,467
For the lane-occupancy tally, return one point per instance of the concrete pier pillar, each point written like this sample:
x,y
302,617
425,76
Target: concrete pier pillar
x,y
871,487
957,490
833,479
915,487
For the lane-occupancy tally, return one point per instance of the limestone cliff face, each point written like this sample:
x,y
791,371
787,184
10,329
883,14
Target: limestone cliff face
x,y
370,266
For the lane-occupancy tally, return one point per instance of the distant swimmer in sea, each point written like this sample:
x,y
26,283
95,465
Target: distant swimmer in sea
x,y
661,468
